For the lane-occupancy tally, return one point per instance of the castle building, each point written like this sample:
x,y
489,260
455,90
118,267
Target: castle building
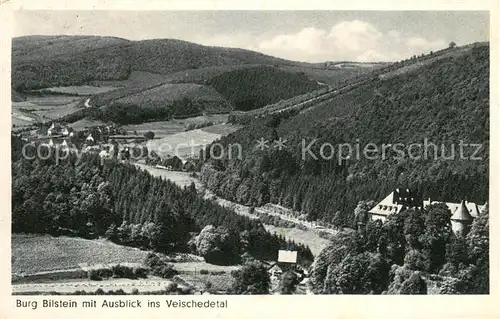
x,y
462,214
394,203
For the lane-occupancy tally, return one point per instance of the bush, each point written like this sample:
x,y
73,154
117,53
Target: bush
x,y
99,291
120,271
149,135
324,234
186,290
120,292
94,275
152,260
415,285
208,285
104,272
140,272
165,271
450,286
171,287
416,260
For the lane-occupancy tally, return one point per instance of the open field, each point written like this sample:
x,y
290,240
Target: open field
x,y
135,78
164,128
222,129
35,253
171,92
187,144
307,237
41,102
235,207
20,118
197,266
46,107
127,285
180,178
80,89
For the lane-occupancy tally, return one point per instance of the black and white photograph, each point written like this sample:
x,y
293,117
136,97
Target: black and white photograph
x,y
247,152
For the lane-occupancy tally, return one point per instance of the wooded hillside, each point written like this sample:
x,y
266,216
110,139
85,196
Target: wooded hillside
x,y
445,102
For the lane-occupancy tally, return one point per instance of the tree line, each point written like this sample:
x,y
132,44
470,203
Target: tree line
x,y
87,197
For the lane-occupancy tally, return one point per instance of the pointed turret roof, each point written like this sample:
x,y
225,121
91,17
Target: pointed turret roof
x,y
485,208
462,213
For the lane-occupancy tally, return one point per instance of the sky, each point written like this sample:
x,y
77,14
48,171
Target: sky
x,y
311,36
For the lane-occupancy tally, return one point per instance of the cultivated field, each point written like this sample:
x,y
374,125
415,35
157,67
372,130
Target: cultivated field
x,y
171,92
44,108
36,253
20,118
80,90
188,144
155,92
164,128
135,78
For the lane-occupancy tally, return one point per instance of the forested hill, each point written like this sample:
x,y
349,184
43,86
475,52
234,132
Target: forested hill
x,y
86,197
45,61
445,101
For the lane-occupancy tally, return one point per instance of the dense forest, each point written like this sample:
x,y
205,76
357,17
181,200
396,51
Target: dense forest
x,y
414,252
445,102
46,61
127,113
87,197
252,88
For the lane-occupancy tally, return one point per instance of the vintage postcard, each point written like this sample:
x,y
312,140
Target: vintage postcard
x,y
166,160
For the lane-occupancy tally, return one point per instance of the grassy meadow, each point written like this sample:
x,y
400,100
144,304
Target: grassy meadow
x,y
40,253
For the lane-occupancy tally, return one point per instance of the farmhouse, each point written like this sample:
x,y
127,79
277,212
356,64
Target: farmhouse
x,y
57,129
462,214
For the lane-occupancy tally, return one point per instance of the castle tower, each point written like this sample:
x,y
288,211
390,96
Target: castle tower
x,y
485,208
461,219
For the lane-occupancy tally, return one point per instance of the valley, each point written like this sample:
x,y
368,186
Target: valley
x,y
128,199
